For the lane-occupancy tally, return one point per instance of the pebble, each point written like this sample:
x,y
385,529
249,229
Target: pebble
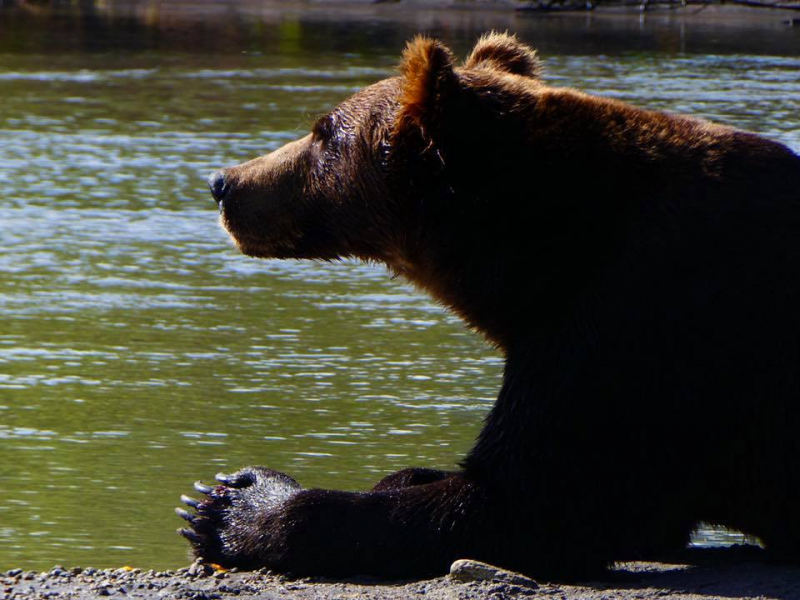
x,y
466,570
198,569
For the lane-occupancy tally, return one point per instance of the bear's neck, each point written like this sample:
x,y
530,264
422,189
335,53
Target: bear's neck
x,y
500,299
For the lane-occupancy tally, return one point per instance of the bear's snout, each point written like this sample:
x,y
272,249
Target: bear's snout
x,y
219,188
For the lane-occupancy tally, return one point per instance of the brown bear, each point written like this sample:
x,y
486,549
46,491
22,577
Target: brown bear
x,y
639,271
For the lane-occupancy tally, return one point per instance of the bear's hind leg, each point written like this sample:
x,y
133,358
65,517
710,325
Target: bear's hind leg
x,y
410,477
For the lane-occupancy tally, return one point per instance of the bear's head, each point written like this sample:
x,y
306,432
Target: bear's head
x,y
343,190
404,172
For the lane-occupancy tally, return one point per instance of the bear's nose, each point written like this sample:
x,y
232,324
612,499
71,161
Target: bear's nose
x,y
216,181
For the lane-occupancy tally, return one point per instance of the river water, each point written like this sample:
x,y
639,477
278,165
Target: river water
x,y
139,351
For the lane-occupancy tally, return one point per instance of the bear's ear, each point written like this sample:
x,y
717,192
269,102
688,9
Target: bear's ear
x,y
429,82
504,52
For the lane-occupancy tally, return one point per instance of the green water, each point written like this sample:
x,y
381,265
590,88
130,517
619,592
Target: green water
x,y
139,351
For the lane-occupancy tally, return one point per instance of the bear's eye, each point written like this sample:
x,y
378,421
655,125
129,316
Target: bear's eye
x,y
324,128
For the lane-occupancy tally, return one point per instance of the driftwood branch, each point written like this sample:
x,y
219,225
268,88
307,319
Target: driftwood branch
x,y
756,4
644,5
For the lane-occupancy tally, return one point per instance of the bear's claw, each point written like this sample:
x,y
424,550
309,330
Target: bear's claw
x,y
189,501
221,526
186,516
237,480
207,520
190,535
202,488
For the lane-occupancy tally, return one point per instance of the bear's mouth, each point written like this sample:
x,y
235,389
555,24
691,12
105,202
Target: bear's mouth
x,y
240,239
256,246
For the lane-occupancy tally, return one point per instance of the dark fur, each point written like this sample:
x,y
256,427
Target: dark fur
x,y
640,272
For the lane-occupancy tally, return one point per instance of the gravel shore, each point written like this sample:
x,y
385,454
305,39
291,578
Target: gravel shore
x,y
697,574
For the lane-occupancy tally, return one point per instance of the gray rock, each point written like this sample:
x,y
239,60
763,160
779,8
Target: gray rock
x,y
466,570
198,569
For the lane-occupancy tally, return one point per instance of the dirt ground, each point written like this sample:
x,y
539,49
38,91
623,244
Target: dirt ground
x,y
697,574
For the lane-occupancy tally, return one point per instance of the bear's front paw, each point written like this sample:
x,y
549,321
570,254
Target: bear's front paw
x,y
224,529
